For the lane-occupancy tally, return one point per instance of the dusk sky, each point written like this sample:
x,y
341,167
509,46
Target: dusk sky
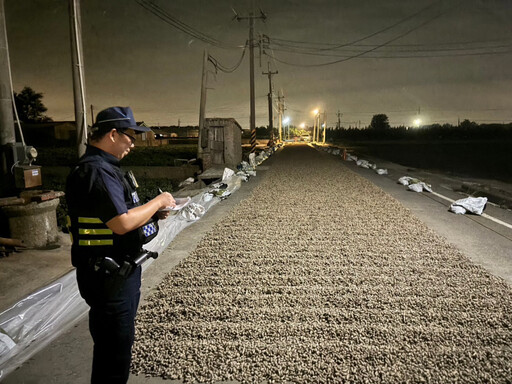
x,y
447,59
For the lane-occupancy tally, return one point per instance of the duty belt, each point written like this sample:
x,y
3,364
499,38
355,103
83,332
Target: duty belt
x,y
123,269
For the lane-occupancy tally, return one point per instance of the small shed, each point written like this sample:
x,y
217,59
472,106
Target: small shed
x,y
220,143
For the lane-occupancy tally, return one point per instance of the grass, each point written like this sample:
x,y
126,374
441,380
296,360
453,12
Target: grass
x,y
143,156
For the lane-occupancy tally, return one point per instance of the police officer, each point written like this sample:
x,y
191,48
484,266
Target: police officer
x,y
109,227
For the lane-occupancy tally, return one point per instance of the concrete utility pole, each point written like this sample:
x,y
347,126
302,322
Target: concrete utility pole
x,y
7,133
203,138
251,19
270,117
318,126
280,106
339,114
313,138
325,126
78,75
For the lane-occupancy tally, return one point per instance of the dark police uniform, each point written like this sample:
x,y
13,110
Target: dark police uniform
x,y
97,191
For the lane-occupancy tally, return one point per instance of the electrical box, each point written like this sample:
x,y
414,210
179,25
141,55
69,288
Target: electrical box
x,y
27,176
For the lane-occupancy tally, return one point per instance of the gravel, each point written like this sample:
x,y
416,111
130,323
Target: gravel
x,y
320,276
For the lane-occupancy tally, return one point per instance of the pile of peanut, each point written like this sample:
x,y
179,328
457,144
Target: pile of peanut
x,y
320,276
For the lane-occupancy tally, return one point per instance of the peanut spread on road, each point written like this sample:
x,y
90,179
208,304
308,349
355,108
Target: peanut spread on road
x,y
320,276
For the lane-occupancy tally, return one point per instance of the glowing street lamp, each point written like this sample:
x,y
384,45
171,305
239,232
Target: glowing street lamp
x,y
417,123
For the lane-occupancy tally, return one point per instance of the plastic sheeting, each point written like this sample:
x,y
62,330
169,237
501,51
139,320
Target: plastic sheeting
x,y
475,205
348,157
32,323
414,184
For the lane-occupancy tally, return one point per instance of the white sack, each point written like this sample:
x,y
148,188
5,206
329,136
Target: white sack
x,y
363,163
227,174
474,205
252,160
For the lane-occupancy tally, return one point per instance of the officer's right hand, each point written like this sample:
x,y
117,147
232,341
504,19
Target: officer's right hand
x,y
166,200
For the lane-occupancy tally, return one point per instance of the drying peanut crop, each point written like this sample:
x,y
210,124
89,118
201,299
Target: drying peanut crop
x,y
320,276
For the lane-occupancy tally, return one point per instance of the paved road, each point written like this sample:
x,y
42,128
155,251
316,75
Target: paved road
x,y
67,360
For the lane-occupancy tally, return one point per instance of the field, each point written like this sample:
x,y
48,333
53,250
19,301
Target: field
x,y
490,159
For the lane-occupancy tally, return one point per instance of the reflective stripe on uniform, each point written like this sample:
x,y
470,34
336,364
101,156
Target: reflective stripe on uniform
x,y
90,231
95,242
90,220
93,229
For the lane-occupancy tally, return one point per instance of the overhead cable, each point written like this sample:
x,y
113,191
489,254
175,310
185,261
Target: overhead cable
x,y
369,50
276,41
176,23
382,30
223,68
476,51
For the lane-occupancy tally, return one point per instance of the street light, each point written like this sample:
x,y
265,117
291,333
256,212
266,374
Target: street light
x,y
417,122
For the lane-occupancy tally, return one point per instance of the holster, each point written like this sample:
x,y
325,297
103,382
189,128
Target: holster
x,y
124,269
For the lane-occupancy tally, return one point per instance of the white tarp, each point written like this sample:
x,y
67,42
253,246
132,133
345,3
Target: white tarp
x,y
414,184
32,323
474,205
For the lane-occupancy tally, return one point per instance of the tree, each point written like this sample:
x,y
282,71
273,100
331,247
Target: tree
x,y
380,122
30,106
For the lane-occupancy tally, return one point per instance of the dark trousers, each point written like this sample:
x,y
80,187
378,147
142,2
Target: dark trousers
x,y
113,305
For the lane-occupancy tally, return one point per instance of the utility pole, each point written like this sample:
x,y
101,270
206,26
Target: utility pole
x,y
339,114
270,117
314,128
203,139
7,134
78,75
318,126
325,126
251,19
280,106
92,115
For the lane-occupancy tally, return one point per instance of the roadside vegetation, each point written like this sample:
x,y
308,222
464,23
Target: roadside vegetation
x,y
143,156
468,150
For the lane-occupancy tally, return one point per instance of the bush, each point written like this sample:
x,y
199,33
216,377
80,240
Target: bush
x,y
145,156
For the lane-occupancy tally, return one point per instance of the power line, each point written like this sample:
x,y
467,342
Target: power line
x,y
382,45
372,49
400,48
490,41
176,23
223,68
384,29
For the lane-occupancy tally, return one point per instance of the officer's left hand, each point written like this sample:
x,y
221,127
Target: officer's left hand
x,y
162,215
